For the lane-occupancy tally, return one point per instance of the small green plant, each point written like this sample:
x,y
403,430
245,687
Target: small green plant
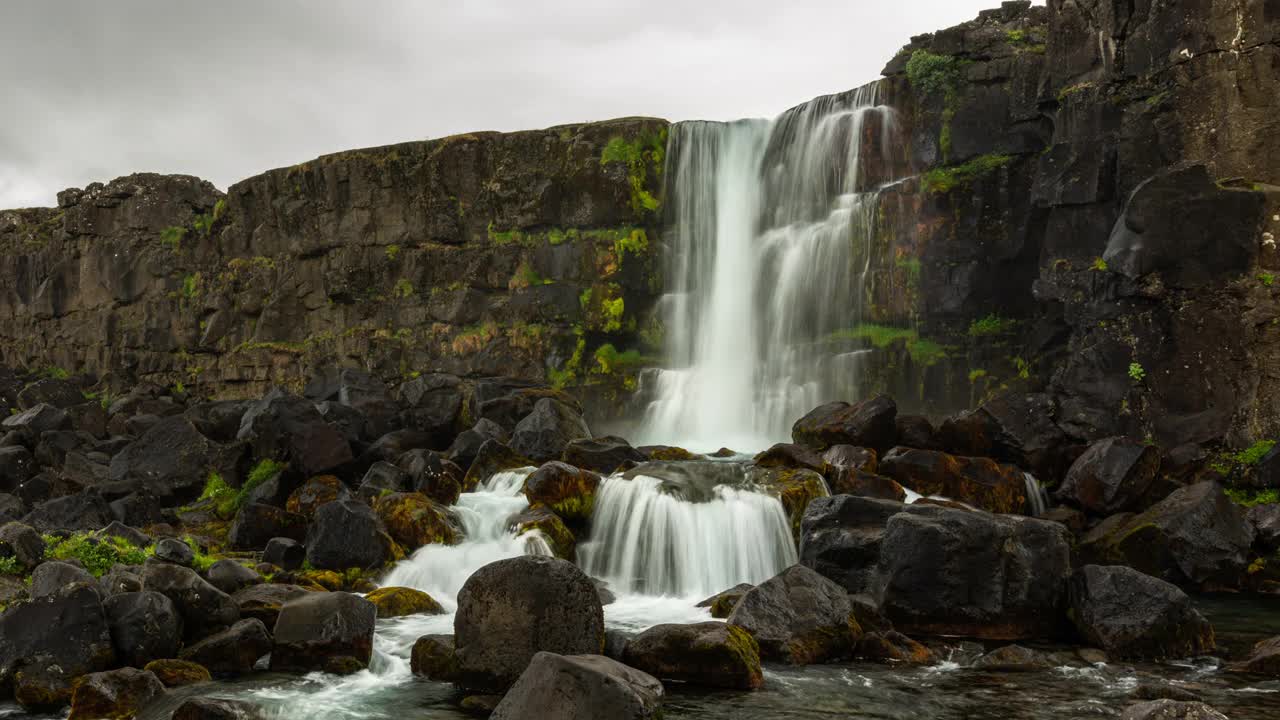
x,y
1267,279
220,493
639,155
1099,265
53,372
179,388
392,251
990,325
1137,373
191,286
976,375
200,561
97,555
943,180
1022,367
10,566
931,73
173,236
403,288
1250,498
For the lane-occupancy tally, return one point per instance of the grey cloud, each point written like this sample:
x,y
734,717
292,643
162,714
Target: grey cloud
x,y
93,90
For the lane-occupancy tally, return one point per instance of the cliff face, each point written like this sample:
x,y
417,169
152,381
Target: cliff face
x,y
1086,236
488,254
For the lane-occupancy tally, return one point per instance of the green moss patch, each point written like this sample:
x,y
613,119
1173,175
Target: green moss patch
x,y
943,180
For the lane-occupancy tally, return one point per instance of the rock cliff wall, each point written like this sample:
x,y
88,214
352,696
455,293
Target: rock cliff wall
x,y
1086,235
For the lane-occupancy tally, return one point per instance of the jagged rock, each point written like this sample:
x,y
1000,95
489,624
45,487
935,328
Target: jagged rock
x,y
118,580
284,553
850,457
559,687
382,478
145,626
347,534
1113,475
413,520
466,446
711,654
34,421
723,603
12,509
847,481
358,390
915,431
204,608
317,491
568,491
788,455
393,602
22,543
1265,520
980,482
230,576
1171,710
256,524
178,673
172,461
604,455
545,432
50,391
220,420
432,475
892,647
1129,614
798,617
175,551
50,577
85,510
332,632
16,467
233,651
41,663
433,657
263,602
116,694
289,429
433,404
511,609
202,708
869,423
1195,536
131,535
492,458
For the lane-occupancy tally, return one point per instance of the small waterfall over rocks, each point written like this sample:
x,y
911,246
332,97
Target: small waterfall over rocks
x,y
771,226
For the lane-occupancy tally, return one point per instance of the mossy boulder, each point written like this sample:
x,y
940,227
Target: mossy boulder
x,y
114,695
799,617
540,519
414,520
327,579
796,488
667,453
712,654
870,423
568,491
722,604
319,490
434,657
492,458
394,602
178,673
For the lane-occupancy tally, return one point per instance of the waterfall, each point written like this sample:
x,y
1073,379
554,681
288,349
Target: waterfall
x,y
769,230
651,538
440,570
1037,496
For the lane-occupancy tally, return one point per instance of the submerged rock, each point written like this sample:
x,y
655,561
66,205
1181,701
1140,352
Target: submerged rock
x,y
539,519
414,520
1171,710
799,617
559,687
201,708
511,609
1264,659
1132,615
178,673
711,654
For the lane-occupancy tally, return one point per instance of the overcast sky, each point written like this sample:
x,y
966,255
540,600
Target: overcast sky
x,y
94,89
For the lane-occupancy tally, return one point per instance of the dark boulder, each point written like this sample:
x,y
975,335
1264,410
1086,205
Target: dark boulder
x,y
172,461
16,467
50,391
332,632
50,577
230,576
203,708
391,446
22,543
86,510
915,431
288,428
723,603
545,432
980,482
115,694
466,446
559,687
413,520
178,673
870,423
347,534
204,608
317,491
1265,520
1013,658
798,617
12,509
117,580
511,609
711,654
219,421
145,626
284,553
1264,658
432,475
256,524
852,458
891,646
1132,615
432,405
382,478
127,533
434,658
841,537
394,602
263,602
233,651
847,481
49,661
569,492
789,455
358,390
32,422
492,458
172,550
604,455
1113,475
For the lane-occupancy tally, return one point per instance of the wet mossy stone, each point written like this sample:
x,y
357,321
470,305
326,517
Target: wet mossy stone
x,y
892,647
568,491
492,458
980,482
332,632
795,487
541,520
317,491
604,455
203,708
723,603
394,602
712,654
434,657
1132,615
178,673
414,520
870,423
233,651
559,687
799,617
114,695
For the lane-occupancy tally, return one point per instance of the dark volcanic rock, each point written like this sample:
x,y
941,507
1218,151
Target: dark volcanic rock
x,y
86,510
316,491
52,576
604,455
545,433
22,543
413,520
16,467
172,460
567,490
230,576
798,617
263,602
723,603
1111,476
559,687
201,708
712,654
1133,615
81,645
204,608
232,651
347,534
1171,710
382,478
289,428
433,405
870,423
175,551
434,657
980,482
145,626
324,631
284,553
256,524
511,609
493,458
432,475
116,694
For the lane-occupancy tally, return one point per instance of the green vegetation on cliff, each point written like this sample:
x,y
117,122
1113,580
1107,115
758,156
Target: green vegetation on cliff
x,y
639,155
943,180
922,350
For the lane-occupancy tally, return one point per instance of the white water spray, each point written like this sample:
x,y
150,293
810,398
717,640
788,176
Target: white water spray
x,y
771,228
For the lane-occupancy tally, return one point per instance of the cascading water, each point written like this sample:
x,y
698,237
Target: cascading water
x,y
771,228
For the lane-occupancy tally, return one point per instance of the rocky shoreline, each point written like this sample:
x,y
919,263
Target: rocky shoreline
x,y
173,541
